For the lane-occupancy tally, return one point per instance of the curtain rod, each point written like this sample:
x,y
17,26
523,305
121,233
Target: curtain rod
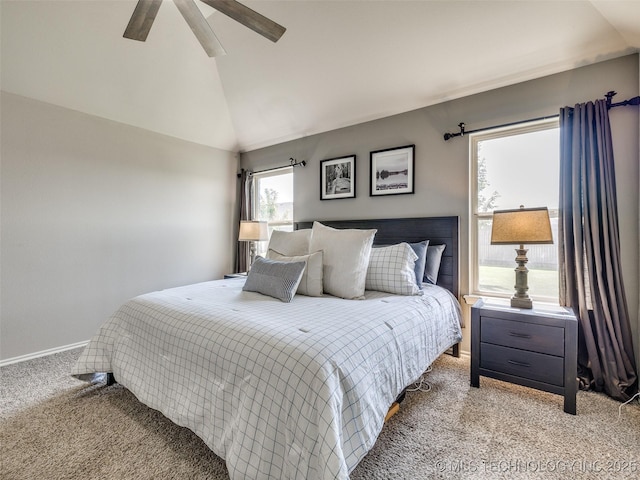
x,y
609,96
462,131
631,101
292,163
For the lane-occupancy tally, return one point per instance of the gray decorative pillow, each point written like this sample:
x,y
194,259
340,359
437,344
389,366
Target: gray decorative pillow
x,y
273,278
421,262
434,256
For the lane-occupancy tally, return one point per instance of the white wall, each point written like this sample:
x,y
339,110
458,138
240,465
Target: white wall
x,y
95,212
442,168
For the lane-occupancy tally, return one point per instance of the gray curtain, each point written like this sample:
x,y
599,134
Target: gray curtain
x,y
589,252
245,187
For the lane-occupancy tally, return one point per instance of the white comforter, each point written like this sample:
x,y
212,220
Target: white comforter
x,y
279,390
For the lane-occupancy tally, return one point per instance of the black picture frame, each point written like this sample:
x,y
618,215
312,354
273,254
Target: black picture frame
x,y
392,171
338,178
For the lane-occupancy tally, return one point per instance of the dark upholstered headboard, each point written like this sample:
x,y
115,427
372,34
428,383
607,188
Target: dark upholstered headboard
x,y
438,230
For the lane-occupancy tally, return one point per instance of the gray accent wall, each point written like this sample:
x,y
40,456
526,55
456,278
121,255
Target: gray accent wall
x,y
442,168
95,212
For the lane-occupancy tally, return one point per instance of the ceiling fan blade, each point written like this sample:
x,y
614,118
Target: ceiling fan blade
x,y
142,19
249,18
200,27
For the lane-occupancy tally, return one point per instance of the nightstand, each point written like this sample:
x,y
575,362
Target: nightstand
x,y
235,275
536,347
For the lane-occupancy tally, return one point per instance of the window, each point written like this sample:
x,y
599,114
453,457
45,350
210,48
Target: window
x,y
514,166
273,201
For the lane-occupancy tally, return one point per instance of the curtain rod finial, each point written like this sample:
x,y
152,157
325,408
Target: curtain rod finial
x,y
447,136
609,95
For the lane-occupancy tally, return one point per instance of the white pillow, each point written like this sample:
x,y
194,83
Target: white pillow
x,y
290,243
345,258
392,269
311,282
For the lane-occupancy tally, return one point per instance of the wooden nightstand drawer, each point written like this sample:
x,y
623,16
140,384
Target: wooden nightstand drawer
x,y
521,363
523,335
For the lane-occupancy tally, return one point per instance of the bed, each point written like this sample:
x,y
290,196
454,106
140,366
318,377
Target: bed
x,y
283,390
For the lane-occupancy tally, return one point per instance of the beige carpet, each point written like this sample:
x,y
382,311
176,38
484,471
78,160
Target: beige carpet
x,y
55,427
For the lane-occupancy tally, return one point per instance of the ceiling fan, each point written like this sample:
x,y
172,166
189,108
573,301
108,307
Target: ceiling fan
x,y
146,11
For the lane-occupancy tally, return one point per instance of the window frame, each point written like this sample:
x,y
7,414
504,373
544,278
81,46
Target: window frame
x,y
256,195
475,217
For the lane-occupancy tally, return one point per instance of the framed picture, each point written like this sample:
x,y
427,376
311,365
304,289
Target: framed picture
x,y
338,178
392,171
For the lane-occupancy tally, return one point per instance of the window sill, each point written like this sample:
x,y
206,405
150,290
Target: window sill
x,y
471,299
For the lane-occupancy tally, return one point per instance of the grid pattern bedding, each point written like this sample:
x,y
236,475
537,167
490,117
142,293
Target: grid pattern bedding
x,y
279,390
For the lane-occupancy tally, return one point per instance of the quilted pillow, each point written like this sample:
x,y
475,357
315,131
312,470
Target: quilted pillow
x,y
275,279
311,281
345,258
434,257
290,243
392,269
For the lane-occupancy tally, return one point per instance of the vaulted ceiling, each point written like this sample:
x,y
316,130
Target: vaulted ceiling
x,y
339,62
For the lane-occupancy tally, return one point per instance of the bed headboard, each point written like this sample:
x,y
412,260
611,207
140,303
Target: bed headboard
x,y
438,230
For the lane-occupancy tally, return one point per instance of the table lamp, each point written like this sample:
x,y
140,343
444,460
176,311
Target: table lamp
x,y
253,231
518,227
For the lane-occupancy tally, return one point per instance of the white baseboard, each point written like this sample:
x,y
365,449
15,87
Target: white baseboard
x,y
43,353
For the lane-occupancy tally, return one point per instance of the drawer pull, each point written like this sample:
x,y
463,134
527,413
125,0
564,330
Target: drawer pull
x,y
519,364
519,335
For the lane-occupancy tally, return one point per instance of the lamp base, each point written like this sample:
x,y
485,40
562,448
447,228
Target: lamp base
x,y
521,299
521,302
252,255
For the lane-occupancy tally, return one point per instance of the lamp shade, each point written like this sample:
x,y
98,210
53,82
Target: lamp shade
x,y
253,231
521,226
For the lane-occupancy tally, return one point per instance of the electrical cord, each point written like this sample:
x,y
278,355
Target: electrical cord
x,y
421,385
628,401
